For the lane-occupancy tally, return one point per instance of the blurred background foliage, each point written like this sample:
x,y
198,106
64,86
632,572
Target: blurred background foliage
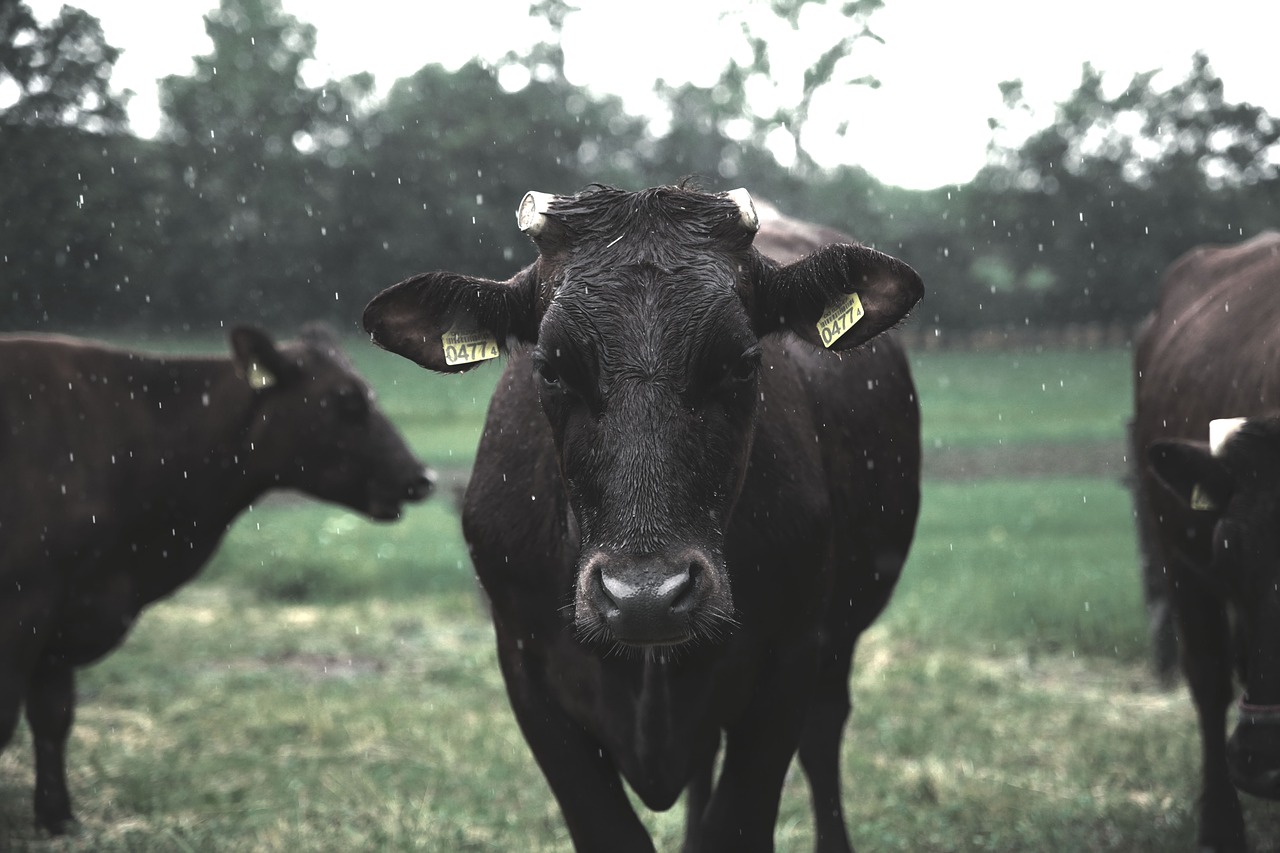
x,y
262,199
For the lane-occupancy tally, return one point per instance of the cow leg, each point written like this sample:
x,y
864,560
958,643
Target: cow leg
x,y
824,727
585,783
50,710
11,691
758,750
820,753
1162,627
697,795
1207,664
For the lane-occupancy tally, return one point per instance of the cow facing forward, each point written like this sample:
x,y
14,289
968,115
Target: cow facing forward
x,y
684,508
121,473
1210,514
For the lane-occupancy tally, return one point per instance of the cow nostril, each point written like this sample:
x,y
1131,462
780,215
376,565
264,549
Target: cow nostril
x,y
422,484
688,582
610,589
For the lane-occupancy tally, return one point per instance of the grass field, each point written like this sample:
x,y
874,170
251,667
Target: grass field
x,y
330,684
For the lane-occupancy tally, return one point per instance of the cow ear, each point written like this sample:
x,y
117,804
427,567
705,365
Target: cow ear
x,y
257,359
450,323
838,297
1191,472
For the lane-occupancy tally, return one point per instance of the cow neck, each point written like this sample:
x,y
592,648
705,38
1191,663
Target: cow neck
x,y
211,418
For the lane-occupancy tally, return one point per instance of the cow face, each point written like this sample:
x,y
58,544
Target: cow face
x,y
645,312
1238,488
317,428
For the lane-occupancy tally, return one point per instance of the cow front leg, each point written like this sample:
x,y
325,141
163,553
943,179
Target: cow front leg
x,y
820,758
1206,661
758,750
696,797
582,778
50,711
12,688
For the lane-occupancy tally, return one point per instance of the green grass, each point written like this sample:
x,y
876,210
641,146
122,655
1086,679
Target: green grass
x,y
330,683
991,398
295,551
1036,566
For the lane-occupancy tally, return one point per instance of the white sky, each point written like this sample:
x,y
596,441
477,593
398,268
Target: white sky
x,y
925,127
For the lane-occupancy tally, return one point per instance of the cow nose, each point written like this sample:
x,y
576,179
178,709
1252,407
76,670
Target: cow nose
x,y
650,601
667,593
421,484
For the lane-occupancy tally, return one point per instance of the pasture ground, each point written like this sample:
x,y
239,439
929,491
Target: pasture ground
x,y
330,684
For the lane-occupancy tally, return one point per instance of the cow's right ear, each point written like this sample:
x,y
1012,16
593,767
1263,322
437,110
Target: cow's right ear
x,y
1191,472
257,359
449,322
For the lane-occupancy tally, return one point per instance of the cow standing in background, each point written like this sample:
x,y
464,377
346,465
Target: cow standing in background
x,y
122,471
1210,516
684,509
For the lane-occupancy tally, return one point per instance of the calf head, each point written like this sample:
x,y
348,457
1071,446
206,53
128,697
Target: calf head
x,y
645,312
317,428
1237,486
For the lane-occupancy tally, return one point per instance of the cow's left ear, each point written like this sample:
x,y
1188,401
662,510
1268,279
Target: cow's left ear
x,y
450,322
838,297
257,359
1191,472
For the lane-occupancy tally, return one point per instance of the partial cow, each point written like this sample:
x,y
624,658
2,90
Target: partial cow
x,y
122,471
1210,515
697,485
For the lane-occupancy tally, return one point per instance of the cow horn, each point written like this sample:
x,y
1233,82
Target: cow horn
x,y
531,215
1222,429
746,206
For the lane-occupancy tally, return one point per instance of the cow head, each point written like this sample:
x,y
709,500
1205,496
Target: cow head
x,y
315,425
1237,486
645,312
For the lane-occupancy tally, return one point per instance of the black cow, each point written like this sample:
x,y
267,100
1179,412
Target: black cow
x,y
1211,520
684,510
121,473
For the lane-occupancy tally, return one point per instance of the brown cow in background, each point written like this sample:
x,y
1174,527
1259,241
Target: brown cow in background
x,y
1209,517
122,471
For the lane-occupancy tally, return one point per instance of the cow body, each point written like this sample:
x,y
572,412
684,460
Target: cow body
x,y
1212,350
123,471
682,549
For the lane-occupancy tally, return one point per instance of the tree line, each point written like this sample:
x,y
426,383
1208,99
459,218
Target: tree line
x,y
264,199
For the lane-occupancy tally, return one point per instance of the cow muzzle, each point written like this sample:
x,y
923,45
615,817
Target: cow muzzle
x,y
651,600
386,504
1253,751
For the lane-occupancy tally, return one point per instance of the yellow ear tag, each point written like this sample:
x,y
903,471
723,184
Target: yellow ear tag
x,y
259,377
1201,501
464,347
839,318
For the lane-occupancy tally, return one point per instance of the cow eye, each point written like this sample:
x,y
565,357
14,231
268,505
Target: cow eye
x,y
546,370
549,374
743,368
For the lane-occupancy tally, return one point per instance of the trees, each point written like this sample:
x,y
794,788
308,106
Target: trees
x,y
58,74
251,154
450,154
1086,213
65,212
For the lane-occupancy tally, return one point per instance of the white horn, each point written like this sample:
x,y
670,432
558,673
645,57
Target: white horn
x,y
742,198
531,215
1222,429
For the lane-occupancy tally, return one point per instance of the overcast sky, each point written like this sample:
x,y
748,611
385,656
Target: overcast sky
x,y
940,64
